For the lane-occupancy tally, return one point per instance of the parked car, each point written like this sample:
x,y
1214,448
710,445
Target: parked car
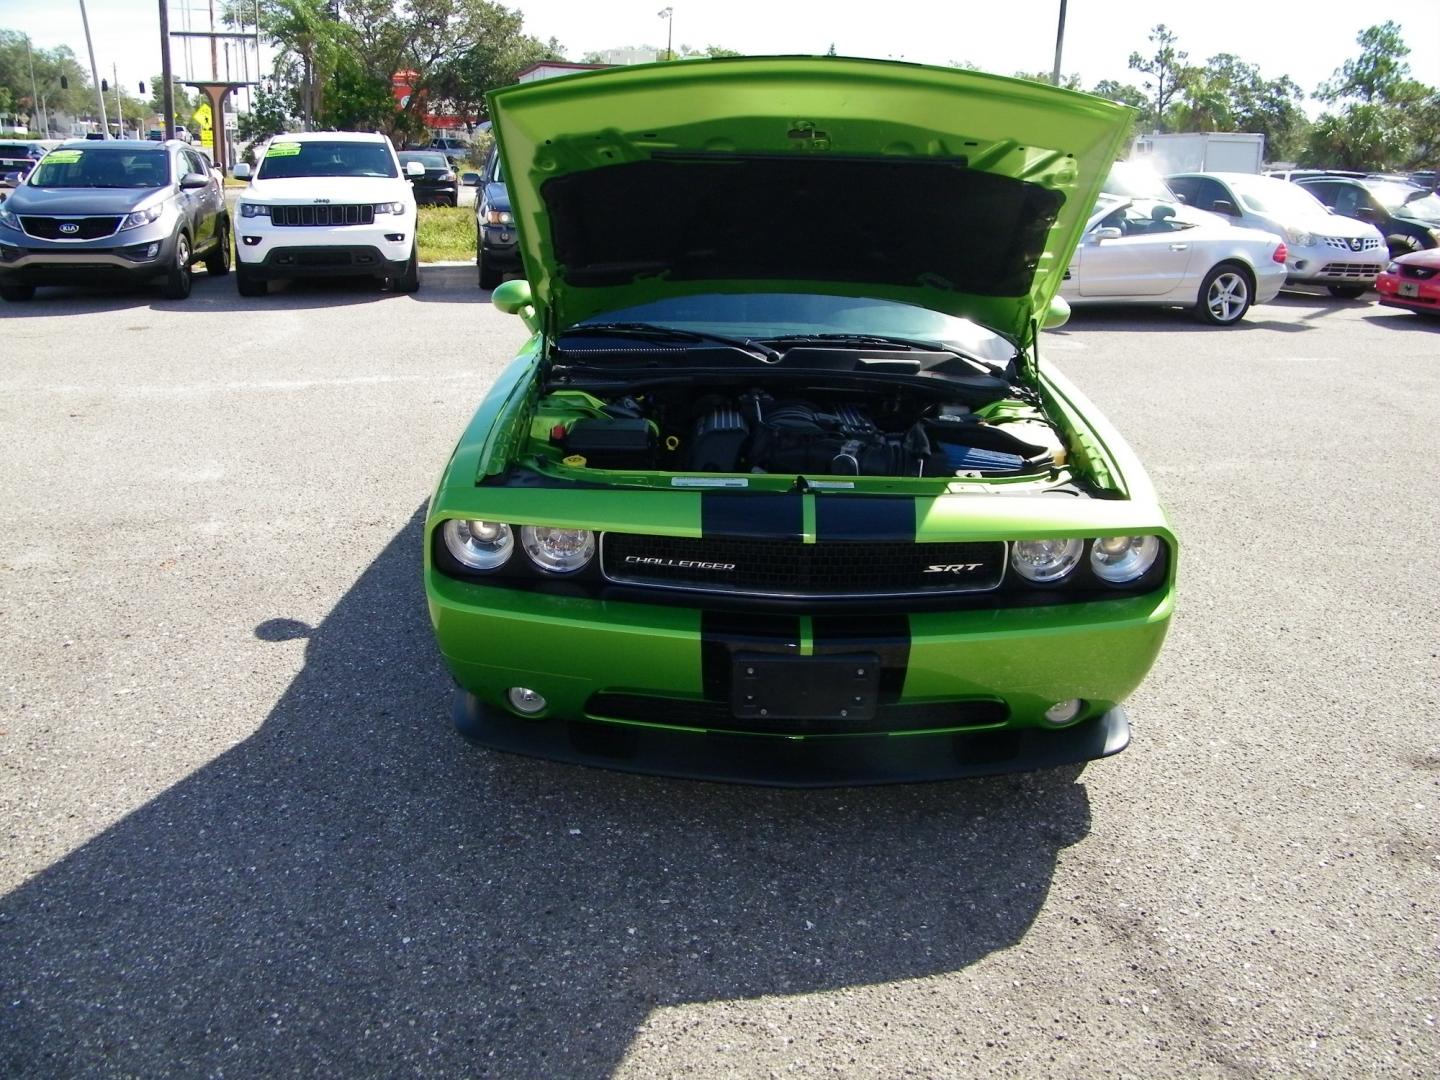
x,y
469,188
1413,282
1408,216
1142,252
437,185
496,250
97,213
453,149
807,511
1133,180
327,204
1322,248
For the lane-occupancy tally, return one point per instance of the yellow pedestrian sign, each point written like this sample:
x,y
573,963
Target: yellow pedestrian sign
x,y
204,120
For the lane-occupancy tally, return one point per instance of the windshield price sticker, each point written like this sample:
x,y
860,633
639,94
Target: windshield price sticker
x,y
283,149
63,157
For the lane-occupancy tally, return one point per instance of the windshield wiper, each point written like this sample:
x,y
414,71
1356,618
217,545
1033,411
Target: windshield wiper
x,y
886,339
657,332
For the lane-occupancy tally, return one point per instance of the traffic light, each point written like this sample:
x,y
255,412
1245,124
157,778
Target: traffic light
x,y
104,86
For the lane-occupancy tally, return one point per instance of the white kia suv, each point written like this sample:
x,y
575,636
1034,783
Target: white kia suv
x,y
323,203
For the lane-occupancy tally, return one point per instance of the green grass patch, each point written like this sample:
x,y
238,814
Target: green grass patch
x,y
446,233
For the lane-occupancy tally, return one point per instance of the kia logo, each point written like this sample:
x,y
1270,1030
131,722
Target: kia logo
x,y
69,228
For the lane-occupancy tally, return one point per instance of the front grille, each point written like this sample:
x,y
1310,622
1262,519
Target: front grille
x,y
718,716
1367,243
323,214
788,568
1419,273
86,228
1351,270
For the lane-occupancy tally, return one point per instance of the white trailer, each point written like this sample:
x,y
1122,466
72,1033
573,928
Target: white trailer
x,y
1201,151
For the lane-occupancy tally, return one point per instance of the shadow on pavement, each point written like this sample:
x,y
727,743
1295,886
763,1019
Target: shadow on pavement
x,y
354,891
1399,319
438,285
1138,318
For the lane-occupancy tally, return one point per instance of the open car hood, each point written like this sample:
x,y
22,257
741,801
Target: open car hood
x,y
958,191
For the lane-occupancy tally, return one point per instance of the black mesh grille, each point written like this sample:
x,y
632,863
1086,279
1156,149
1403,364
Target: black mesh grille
x,y
339,214
54,228
1420,273
790,568
717,716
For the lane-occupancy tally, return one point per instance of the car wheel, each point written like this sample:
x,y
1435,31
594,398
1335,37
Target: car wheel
x,y
1224,295
409,281
217,262
177,281
249,284
1347,292
1401,244
489,277
17,293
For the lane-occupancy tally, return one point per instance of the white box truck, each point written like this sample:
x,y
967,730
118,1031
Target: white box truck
x,y
1201,151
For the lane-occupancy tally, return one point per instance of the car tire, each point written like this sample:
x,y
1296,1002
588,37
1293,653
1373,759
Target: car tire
x,y
217,262
1224,295
1400,244
248,283
17,294
1347,292
489,277
409,281
177,279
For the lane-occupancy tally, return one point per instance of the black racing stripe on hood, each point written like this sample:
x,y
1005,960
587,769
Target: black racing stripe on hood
x,y
762,517
723,633
864,517
886,635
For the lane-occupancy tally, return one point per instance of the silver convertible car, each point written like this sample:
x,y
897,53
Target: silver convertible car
x,y
1138,251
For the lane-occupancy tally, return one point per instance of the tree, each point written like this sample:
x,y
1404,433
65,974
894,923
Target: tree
x,y
1376,73
460,85
1369,136
1068,82
268,116
1166,69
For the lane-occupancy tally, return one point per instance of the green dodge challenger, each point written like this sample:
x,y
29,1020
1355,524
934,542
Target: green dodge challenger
x,y
782,489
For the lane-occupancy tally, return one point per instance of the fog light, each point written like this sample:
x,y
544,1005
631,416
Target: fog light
x,y
1062,712
395,237
250,241
151,250
524,700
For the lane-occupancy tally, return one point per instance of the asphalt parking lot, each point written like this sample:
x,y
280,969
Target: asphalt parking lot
x,y
240,838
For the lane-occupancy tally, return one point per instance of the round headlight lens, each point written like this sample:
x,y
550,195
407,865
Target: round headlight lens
x,y
480,545
1302,239
1045,560
1119,559
558,551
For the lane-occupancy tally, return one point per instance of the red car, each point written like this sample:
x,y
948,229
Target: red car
x,y
1412,281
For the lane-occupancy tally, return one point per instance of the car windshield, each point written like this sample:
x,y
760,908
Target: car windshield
x,y
1136,182
1265,195
75,167
314,158
430,161
759,316
1407,200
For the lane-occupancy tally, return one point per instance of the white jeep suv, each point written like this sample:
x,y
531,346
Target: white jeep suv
x,y
324,203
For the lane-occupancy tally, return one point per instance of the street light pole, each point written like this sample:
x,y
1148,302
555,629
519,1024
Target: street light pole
x,y
36,101
119,113
94,71
668,14
167,92
1059,45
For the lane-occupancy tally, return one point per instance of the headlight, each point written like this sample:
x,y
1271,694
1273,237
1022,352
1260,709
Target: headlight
x,y
1393,268
389,208
7,218
558,551
480,545
1300,239
498,217
1121,559
250,209
1045,561
142,217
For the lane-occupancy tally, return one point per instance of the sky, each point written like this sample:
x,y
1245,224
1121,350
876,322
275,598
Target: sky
x,y
1305,39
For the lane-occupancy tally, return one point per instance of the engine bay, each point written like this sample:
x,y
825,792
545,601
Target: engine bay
x,y
799,430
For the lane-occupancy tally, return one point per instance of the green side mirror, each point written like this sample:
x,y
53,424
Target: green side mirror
x,y
514,298
1057,314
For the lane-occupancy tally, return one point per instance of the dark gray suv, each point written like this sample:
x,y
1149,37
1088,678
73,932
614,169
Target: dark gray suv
x,y
103,212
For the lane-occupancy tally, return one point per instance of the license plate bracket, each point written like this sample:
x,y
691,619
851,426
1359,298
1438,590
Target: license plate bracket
x,y
765,686
1409,288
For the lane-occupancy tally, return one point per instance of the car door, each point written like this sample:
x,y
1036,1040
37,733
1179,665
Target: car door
x,y
1149,258
196,203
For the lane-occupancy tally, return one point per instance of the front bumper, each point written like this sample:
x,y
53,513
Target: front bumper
x,y
500,246
1426,298
330,260
133,255
648,687
270,251
1324,264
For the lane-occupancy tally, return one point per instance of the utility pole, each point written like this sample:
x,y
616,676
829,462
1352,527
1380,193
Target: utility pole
x,y
1059,46
119,113
668,14
95,72
36,101
167,92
